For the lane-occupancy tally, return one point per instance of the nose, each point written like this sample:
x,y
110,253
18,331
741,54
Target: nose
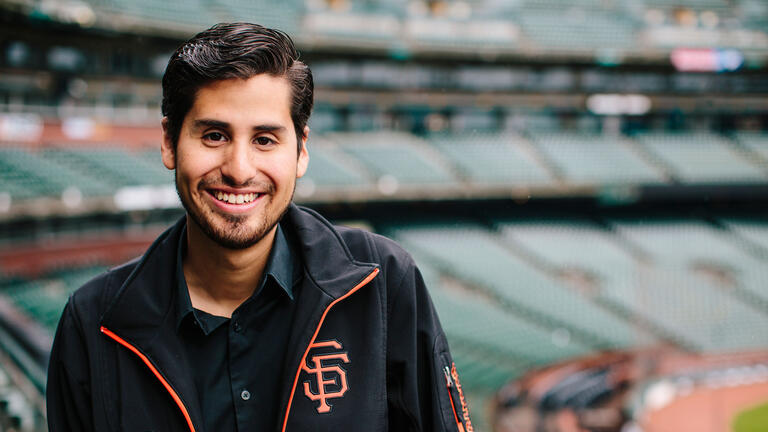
x,y
238,167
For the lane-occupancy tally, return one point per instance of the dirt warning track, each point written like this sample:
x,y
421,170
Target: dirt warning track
x,y
705,409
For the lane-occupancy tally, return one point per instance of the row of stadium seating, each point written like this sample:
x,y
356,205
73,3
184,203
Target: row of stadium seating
x,y
602,27
529,24
43,299
390,160
625,283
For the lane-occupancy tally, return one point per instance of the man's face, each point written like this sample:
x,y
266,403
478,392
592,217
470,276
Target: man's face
x,y
236,158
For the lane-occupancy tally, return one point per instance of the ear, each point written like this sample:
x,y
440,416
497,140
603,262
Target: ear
x,y
167,149
303,161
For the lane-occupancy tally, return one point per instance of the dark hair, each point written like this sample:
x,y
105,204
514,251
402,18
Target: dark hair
x,y
234,50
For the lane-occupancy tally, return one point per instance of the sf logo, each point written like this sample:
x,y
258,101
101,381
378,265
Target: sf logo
x,y
330,378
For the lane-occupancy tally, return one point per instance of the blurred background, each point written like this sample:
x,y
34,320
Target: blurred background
x,y
584,184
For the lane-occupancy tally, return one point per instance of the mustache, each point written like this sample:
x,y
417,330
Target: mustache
x,y
265,186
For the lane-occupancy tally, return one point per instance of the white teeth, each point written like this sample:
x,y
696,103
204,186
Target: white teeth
x,y
236,198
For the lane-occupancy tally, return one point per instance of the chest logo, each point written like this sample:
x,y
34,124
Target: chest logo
x,y
327,378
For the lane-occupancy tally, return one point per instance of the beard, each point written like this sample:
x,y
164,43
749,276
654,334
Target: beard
x,y
234,231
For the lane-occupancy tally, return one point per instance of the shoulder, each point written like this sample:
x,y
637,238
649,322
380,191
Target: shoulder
x,y
90,300
367,246
93,298
397,266
360,245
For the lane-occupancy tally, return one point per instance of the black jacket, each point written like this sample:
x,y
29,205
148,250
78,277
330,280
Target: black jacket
x,y
366,351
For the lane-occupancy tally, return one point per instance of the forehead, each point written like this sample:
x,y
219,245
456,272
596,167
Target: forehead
x,y
258,98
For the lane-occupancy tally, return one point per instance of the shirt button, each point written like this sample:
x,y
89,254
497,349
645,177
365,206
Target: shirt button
x,y
236,327
245,395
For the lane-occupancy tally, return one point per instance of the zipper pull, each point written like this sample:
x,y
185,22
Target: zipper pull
x,y
448,380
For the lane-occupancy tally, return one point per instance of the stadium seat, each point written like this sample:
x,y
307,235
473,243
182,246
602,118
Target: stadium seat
x,y
43,177
472,255
757,143
331,167
702,158
44,299
114,166
491,159
577,29
403,157
596,159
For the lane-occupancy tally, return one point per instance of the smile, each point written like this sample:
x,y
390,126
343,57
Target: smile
x,y
232,198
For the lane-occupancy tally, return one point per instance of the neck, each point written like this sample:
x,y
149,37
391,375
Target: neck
x,y
220,279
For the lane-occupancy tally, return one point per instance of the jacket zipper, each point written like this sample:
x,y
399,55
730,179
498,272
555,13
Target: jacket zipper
x,y
314,336
157,374
448,385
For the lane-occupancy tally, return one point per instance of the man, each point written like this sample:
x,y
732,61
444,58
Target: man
x,y
251,313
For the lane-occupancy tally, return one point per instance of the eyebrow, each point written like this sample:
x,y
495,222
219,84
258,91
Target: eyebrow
x,y
201,123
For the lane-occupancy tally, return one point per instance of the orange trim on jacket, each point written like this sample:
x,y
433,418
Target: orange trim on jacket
x,y
154,370
314,336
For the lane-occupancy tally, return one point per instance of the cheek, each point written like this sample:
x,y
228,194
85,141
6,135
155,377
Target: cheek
x,y
194,167
281,169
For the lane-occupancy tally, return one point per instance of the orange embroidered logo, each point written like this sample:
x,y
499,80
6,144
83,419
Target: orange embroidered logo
x,y
330,377
464,409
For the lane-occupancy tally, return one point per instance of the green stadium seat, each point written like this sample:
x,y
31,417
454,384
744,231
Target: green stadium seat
x,y
284,15
472,255
402,156
577,29
569,245
169,13
491,159
331,167
702,315
44,299
114,166
44,177
756,142
702,158
596,159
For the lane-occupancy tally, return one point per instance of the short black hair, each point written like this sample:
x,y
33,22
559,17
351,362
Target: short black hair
x,y
234,50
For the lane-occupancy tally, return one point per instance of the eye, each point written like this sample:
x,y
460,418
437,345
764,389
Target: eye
x,y
263,140
214,137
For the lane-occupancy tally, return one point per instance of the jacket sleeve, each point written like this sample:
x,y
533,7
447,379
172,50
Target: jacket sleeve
x,y
68,396
424,393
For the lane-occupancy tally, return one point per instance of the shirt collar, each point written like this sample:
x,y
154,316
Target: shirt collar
x,y
281,269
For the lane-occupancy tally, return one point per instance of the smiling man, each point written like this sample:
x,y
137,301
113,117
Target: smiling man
x,y
251,313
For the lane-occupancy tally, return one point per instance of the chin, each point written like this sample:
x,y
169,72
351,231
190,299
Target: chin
x,y
232,232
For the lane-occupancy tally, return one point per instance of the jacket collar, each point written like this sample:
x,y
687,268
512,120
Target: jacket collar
x,y
146,297
326,258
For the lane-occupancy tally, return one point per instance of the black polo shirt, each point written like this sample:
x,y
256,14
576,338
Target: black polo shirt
x,y
237,362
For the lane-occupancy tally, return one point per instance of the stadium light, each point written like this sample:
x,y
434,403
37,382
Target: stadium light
x,y
617,104
21,127
146,198
305,188
72,197
388,184
5,202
